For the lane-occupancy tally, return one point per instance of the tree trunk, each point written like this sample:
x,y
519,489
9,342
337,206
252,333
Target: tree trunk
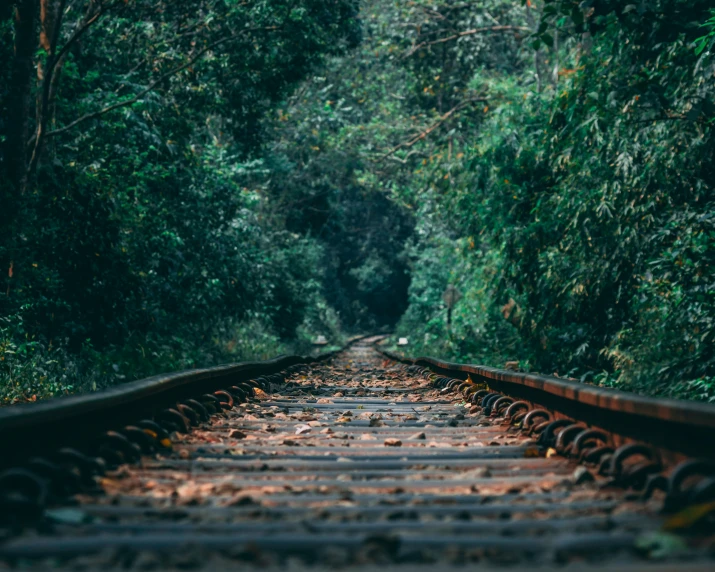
x,y
537,63
50,23
20,108
20,95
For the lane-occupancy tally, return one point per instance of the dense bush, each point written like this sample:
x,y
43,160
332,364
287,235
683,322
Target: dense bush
x,y
594,201
136,241
555,162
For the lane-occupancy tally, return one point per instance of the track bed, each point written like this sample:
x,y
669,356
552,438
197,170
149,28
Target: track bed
x,y
359,462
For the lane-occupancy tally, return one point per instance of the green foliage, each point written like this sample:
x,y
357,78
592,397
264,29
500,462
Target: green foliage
x,y
705,42
29,369
556,158
142,243
596,198
272,170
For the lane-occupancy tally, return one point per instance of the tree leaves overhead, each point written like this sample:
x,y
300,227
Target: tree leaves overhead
x,y
191,181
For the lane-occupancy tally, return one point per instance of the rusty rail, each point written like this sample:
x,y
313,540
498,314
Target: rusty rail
x,y
678,428
45,425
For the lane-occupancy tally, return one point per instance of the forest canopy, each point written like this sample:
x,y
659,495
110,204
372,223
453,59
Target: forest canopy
x,y
193,182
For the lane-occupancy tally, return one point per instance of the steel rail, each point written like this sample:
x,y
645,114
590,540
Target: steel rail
x,y
48,424
681,428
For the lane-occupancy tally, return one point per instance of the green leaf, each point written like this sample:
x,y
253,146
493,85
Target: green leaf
x,y
702,43
659,545
550,10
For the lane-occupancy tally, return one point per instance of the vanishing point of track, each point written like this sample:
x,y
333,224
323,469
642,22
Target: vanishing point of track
x,y
358,461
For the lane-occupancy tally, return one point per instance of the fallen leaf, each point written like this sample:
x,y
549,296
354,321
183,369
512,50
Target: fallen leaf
x,y
478,473
659,545
689,516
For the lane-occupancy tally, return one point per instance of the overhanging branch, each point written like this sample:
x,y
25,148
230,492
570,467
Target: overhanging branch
x,y
420,136
472,32
132,100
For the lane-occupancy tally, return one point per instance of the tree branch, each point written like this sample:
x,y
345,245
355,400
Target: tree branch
x,y
471,32
410,154
419,137
51,24
132,100
82,28
55,59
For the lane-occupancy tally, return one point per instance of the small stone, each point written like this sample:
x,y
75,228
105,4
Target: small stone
x,y
417,436
393,443
242,500
146,560
302,429
582,475
339,394
184,454
367,437
478,473
314,423
326,431
236,434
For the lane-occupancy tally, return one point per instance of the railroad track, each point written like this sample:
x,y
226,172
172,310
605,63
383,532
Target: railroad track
x,y
355,461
